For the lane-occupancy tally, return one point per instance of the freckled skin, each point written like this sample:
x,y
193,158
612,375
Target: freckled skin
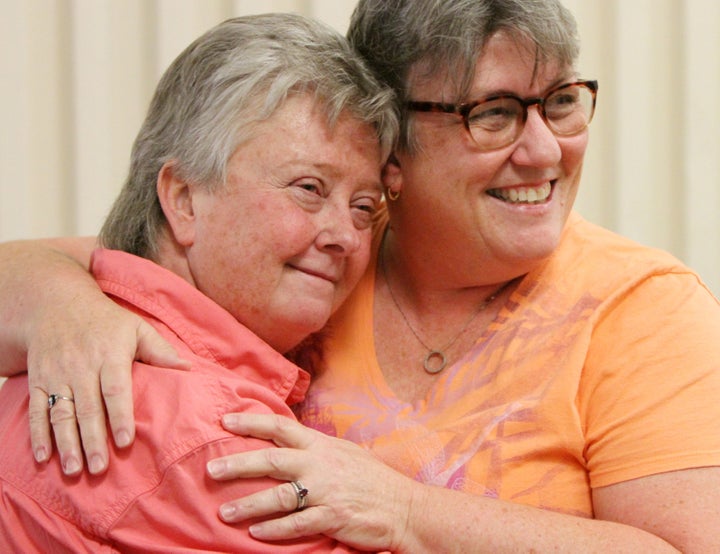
x,y
445,200
288,238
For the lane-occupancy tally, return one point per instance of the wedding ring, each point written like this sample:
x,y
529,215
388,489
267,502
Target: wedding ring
x,y
53,398
301,493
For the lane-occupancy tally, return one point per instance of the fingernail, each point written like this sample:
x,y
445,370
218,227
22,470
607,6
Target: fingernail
x,y
227,511
96,464
229,420
122,438
71,465
41,454
216,468
257,531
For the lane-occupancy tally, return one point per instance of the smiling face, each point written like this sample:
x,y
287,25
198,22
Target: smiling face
x,y
282,245
492,213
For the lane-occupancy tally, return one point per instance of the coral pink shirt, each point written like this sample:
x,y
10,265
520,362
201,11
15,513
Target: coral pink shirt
x,y
155,496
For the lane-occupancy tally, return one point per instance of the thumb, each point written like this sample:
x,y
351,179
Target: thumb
x,y
155,350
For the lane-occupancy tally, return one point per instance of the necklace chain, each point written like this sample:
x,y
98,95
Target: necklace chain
x,y
436,354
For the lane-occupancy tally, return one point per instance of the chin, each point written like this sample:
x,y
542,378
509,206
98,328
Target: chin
x,y
532,250
308,321
291,322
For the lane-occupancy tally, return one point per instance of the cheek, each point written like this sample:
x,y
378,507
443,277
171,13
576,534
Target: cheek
x,y
451,165
287,234
358,261
355,266
279,225
573,154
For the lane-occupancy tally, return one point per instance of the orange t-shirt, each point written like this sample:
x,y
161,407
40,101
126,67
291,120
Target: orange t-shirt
x,y
603,366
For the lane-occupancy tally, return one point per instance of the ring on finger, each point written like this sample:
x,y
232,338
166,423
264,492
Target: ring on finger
x,y
301,493
53,399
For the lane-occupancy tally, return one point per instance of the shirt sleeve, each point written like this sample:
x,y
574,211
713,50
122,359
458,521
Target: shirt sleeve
x,y
649,393
180,514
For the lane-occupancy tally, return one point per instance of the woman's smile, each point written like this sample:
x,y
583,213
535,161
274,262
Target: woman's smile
x,y
526,194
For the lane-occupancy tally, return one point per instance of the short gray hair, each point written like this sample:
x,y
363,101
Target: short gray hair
x,y
210,98
447,37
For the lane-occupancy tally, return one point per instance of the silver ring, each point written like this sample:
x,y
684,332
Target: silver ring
x,y
301,493
53,398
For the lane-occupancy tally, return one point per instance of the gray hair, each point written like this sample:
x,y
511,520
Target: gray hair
x,y
210,98
446,37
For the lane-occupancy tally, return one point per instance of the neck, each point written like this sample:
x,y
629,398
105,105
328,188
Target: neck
x,y
427,283
437,325
172,256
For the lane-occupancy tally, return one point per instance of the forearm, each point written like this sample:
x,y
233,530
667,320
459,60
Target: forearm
x,y
442,520
360,501
33,275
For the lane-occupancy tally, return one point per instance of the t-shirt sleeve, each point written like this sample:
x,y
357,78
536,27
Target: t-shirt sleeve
x,y
650,389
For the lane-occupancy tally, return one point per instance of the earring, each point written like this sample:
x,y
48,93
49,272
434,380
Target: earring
x,y
393,194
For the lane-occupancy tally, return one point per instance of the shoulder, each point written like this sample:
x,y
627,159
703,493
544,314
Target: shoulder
x,y
177,411
594,262
178,405
597,246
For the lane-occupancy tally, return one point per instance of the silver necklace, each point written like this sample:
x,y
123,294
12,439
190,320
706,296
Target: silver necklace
x,y
436,360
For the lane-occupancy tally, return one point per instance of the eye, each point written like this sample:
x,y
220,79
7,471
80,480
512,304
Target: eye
x,y
308,192
495,115
310,186
563,103
363,209
366,205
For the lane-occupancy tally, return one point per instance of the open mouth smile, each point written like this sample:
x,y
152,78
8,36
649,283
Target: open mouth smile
x,y
523,195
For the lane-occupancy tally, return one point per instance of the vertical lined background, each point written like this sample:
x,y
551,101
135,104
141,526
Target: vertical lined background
x,y
77,75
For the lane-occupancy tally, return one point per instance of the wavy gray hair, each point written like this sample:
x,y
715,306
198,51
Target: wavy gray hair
x,y
207,102
444,38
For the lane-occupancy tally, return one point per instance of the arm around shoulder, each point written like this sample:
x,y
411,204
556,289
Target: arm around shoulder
x,y
74,341
32,276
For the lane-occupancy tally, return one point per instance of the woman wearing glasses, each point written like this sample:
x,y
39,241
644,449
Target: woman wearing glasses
x,y
521,378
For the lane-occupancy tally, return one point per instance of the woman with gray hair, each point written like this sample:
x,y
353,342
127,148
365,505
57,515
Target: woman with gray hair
x,y
216,93
518,378
546,385
245,221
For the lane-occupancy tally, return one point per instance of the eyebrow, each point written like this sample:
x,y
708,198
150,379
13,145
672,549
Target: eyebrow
x,y
570,75
332,170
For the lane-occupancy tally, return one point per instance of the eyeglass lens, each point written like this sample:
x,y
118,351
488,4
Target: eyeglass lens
x,y
498,122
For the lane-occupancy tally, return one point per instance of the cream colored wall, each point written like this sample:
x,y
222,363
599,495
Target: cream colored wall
x,y
77,76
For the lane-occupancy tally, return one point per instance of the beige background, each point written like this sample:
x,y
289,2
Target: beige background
x,y
77,76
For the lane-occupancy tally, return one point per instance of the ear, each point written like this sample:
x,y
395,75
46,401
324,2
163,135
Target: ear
x,y
392,176
176,200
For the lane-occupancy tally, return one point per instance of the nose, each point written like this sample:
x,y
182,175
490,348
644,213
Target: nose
x,y
536,146
339,234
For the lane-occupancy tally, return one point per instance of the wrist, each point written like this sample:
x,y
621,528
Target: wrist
x,y
409,536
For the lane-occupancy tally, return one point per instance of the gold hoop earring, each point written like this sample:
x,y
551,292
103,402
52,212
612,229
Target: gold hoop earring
x,y
393,194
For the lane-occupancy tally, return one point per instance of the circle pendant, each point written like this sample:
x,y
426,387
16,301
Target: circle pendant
x,y
437,367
